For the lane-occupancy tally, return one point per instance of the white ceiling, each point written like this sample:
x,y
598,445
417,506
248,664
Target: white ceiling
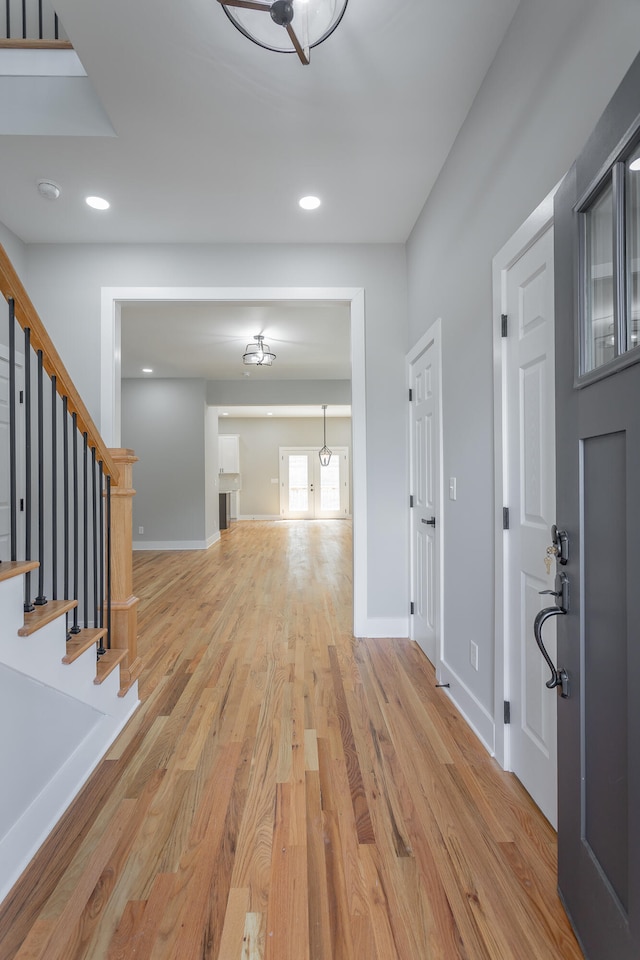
x,y
216,138
311,340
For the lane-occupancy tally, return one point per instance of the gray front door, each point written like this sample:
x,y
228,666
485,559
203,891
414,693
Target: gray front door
x,y
597,282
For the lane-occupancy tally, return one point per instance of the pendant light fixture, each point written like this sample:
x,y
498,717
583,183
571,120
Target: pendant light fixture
x,y
292,26
258,353
325,454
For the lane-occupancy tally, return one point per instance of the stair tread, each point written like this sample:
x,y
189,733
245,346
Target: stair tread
x,y
107,664
42,615
77,645
13,568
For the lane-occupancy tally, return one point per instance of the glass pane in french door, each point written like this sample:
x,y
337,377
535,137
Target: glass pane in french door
x,y
298,485
330,485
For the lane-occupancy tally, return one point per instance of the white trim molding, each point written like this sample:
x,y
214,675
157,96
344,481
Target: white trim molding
x,y
524,238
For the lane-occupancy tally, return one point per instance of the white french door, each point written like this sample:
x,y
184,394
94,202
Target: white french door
x,y
310,491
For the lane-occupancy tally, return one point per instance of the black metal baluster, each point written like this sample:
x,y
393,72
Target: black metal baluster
x,y
85,527
108,562
40,31
28,606
24,19
55,26
40,599
54,489
101,646
95,535
13,447
65,502
8,9
76,545
65,494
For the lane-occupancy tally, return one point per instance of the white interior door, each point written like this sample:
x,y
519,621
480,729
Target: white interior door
x,y
531,499
310,491
425,491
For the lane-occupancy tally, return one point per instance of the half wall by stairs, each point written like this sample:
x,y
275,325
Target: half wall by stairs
x,y
58,716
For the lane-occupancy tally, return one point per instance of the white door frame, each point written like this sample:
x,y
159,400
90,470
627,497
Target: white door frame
x,y
433,333
110,410
524,238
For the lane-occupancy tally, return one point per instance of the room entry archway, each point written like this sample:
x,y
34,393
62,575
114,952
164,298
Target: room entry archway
x,y
110,409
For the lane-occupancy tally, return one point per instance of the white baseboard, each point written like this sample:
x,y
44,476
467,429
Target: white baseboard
x,y
378,628
477,716
176,544
28,834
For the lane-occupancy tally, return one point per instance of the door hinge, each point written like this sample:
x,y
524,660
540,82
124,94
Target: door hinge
x,y
507,711
505,518
412,610
410,499
505,324
410,394
21,397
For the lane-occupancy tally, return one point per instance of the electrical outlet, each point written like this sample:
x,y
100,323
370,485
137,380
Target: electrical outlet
x,y
473,654
453,488
140,529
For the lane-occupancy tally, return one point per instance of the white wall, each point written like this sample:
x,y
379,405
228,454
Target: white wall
x,y
65,281
245,392
164,422
260,439
552,77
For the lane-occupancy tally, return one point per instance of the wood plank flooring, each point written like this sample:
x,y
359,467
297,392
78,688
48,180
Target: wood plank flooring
x,y
285,792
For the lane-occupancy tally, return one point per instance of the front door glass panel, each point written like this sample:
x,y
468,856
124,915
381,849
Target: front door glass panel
x,y
633,250
599,320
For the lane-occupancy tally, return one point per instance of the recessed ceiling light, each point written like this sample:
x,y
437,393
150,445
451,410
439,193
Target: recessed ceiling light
x,y
635,164
98,203
48,189
225,414
309,203
147,370
269,414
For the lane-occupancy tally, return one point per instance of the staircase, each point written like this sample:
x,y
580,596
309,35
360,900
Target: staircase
x,y
69,666
60,710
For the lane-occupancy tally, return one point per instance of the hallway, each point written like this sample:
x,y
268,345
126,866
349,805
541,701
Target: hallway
x,y
285,792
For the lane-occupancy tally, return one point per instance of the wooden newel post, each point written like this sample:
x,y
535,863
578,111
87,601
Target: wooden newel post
x,y
124,606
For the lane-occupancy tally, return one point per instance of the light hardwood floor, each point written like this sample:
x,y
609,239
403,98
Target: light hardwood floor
x,y
285,792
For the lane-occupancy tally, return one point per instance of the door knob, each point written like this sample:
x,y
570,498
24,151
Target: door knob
x,y
431,522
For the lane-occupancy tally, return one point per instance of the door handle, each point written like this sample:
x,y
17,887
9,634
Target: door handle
x,y
559,678
431,522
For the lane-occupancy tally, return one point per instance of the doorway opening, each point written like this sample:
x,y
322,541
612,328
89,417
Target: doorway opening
x,y
112,299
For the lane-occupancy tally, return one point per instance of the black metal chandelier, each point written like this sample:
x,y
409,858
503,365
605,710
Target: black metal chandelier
x,y
293,26
325,454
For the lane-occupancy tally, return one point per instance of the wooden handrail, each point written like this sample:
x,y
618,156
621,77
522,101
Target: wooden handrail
x,y
18,43
27,316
